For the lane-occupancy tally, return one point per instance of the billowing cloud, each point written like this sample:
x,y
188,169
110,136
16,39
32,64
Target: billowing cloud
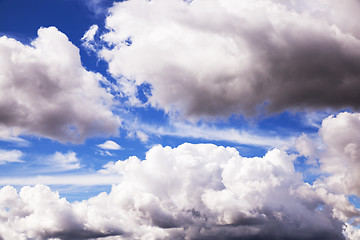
x,y
341,154
44,90
189,192
211,58
109,145
7,156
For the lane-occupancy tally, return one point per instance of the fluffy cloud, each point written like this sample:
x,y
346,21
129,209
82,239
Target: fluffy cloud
x,y
341,154
210,57
7,156
38,213
109,145
44,90
189,192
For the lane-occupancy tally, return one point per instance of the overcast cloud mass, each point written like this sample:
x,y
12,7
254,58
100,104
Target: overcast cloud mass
x,y
152,123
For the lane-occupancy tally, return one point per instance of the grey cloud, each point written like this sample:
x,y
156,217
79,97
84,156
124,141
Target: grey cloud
x,y
47,92
211,58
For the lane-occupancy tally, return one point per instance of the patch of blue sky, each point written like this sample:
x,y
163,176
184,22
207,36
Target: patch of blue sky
x,y
24,18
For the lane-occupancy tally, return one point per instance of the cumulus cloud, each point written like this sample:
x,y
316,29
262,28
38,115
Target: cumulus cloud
x,y
341,154
7,156
38,213
189,192
45,91
211,58
109,145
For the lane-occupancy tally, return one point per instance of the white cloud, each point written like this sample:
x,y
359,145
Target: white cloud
x,y
89,35
341,154
190,192
7,156
45,91
211,58
109,145
64,161
143,137
88,38
306,147
64,179
213,133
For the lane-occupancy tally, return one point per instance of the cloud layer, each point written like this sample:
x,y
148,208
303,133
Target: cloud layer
x,y
189,192
44,90
211,58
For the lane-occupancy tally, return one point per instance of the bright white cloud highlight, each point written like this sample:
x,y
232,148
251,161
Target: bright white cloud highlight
x,y
8,156
109,145
89,35
88,38
45,91
211,58
189,192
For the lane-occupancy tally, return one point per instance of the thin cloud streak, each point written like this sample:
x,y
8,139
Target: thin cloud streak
x,y
75,179
206,132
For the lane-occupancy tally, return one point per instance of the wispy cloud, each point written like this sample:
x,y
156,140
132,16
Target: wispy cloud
x,y
8,156
74,179
213,133
63,161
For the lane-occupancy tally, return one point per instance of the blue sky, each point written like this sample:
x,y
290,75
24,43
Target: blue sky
x,y
210,120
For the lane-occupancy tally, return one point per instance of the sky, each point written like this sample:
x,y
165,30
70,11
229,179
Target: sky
x,y
179,119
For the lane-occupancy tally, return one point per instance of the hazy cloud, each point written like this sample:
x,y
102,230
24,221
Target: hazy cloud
x,y
213,133
211,58
7,156
44,90
64,161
